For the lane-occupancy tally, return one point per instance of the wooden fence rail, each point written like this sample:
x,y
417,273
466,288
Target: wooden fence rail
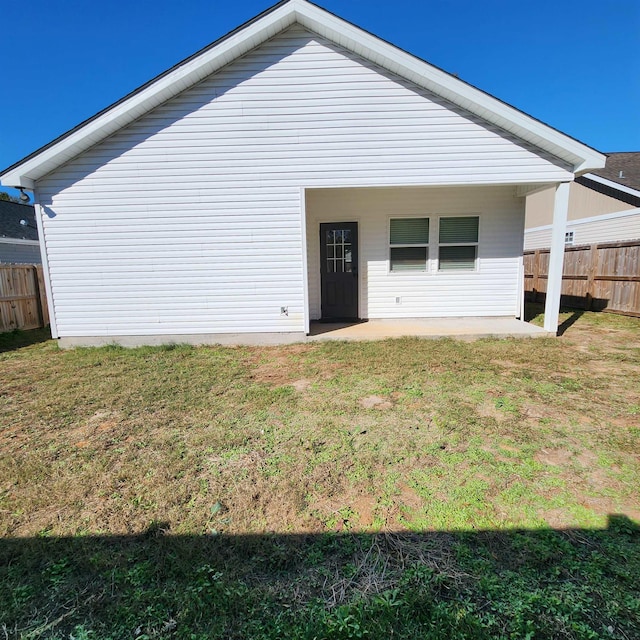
x,y
602,277
23,302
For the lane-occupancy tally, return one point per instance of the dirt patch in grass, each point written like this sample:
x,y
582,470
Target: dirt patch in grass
x,y
375,402
113,439
488,409
254,483
349,510
554,457
301,385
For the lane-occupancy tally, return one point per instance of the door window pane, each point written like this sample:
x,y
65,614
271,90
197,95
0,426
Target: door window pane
x,y
339,251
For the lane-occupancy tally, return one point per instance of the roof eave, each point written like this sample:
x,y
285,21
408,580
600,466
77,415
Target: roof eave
x,y
623,188
580,157
169,84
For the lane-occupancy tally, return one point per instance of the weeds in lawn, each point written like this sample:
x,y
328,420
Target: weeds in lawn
x,y
353,445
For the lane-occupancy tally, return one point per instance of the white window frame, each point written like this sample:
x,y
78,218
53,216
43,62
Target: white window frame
x,y
426,245
476,264
569,238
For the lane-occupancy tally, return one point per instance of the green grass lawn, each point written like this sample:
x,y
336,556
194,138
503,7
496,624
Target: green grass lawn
x,y
405,488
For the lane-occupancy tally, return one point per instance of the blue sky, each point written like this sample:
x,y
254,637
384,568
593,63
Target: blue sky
x,y
574,65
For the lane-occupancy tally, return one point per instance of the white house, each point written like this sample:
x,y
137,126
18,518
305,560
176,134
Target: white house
x,y
298,168
604,206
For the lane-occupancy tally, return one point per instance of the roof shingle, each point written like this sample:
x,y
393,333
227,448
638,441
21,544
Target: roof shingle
x,y
10,215
623,168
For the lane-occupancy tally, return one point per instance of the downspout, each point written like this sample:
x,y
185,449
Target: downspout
x,y
39,211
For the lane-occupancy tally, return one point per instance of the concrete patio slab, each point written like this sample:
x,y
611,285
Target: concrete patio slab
x,y
460,328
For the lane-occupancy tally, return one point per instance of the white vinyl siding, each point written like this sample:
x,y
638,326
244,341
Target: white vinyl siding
x,y
492,290
611,227
189,219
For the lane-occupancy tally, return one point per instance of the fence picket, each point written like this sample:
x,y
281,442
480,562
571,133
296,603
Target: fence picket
x,y
604,277
23,303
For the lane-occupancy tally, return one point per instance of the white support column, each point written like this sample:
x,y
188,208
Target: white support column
x,y
556,257
305,261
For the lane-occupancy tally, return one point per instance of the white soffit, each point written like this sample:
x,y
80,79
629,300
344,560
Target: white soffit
x,y
194,69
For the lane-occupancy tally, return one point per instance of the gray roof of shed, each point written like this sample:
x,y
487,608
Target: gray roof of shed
x,y
10,215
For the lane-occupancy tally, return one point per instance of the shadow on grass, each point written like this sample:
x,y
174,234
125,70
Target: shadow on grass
x,y
493,584
576,314
11,340
533,310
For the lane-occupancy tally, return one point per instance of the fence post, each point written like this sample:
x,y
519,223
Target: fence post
x,y
536,275
591,275
38,295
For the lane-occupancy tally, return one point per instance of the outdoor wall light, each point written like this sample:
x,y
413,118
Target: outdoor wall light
x,y
23,197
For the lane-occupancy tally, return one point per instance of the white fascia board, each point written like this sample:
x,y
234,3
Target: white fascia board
x,y
612,184
581,157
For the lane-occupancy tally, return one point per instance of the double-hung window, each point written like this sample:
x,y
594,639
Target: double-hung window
x,y
458,243
409,244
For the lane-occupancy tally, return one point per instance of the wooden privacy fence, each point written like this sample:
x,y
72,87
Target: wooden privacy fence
x,y
23,302
602,277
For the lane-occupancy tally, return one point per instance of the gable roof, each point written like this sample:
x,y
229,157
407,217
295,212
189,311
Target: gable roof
x,y
622,168
619,179
263,27
10,215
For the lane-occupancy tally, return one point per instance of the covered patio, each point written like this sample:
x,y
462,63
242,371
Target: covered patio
x,y
459,328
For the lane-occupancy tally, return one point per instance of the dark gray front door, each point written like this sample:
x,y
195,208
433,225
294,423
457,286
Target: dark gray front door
x,y
339,270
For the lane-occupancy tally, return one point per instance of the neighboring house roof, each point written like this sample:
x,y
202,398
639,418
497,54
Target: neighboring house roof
x,y
10,215
619,179
623,168
187,73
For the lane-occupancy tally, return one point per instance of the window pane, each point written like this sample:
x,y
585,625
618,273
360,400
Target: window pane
x,y
454,230
409,259
410,231
457,258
